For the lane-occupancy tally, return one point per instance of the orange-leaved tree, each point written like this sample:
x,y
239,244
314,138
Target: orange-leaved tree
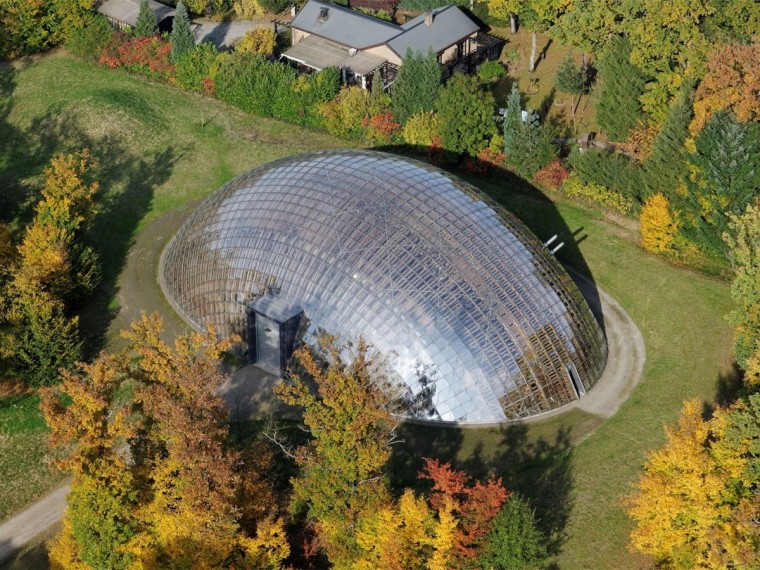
x,y
155,485
732,82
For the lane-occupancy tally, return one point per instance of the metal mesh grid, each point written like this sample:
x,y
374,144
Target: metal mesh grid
x,y
477,319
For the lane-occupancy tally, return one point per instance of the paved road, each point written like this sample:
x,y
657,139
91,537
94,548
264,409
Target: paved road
x,y
25,526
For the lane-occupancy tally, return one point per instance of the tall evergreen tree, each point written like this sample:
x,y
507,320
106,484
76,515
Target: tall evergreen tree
x,y
512,117
724,178
466,112
147,23
530,147
514,540
417,85
618,109
666,166
182,35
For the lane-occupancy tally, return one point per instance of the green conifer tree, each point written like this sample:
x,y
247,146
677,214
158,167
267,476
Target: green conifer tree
x,y
666,166
724,178
182,35
417,85
512,117
147,23
618,109
514,541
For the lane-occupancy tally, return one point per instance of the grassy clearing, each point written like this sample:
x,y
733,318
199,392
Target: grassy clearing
x,y
157,148
538,87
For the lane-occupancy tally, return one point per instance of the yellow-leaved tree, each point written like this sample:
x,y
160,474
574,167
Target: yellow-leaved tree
x,y
54,268
696,504
659,224
154,484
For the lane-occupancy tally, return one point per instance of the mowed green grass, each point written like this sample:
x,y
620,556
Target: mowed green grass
x,y
156,148
574,467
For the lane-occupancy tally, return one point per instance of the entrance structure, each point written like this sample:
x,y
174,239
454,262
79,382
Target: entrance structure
x,y
478,321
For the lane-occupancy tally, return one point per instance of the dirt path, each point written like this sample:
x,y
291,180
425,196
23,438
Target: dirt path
x,y
30,523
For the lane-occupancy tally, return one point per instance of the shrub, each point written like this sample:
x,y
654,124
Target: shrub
x,y
197,68
148,56
491,71
466,112
253,84
422,129
381,129
89,42
417,85
247,9
575,187
611,170
658,224
258,40
552,176
380,14
344,116
275,6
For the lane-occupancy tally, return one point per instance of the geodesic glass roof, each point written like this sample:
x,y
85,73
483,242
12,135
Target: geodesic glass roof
x,y
477,319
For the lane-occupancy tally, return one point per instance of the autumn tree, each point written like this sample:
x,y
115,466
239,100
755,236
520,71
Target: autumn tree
x,y
473,505
724,177
695,504
176,502
668,43
182,37
30,26
618,109
659,225
514,541
147,22
55,268
417,85
742,240
732,83
466,112
261,41
346,413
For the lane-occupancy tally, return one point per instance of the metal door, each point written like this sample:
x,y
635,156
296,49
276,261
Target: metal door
x,y
267,343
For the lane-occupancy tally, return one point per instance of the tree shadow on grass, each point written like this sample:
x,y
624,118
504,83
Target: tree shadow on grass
x,y
127,182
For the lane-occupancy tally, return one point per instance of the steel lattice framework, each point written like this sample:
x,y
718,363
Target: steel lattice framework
x,y
479,322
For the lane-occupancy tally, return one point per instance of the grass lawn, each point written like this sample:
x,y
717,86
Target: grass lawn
x,y
160,149
157,148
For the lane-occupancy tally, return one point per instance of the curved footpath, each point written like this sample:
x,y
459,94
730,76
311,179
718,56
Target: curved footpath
x,y
139,290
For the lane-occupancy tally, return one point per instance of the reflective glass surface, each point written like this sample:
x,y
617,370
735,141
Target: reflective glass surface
x,y
478,321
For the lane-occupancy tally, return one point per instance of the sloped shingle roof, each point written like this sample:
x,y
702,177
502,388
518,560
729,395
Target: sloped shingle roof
x,y
449,26
347,27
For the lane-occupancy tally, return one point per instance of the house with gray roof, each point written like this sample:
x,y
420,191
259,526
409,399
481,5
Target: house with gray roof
x,y
328,35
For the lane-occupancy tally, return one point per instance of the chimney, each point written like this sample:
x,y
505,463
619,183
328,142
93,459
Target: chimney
x,y
323,14
429,18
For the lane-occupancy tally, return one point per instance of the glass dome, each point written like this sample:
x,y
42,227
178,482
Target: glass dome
x,y
479,322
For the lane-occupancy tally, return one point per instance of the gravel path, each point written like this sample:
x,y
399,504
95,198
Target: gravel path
x,y
28,524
